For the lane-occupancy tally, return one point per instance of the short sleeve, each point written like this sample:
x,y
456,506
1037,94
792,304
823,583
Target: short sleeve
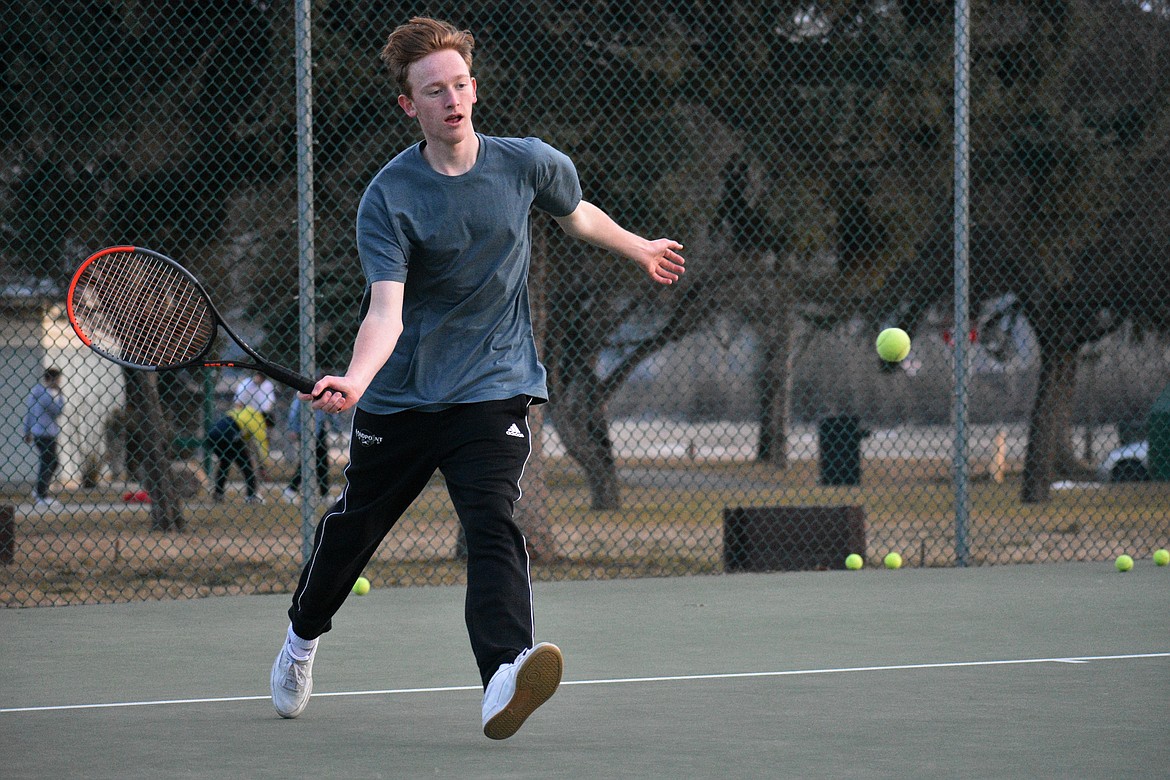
x,y
382,248
558,189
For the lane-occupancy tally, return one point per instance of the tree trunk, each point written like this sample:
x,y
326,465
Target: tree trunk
x,y
775,375
148,436
581,406
1065,463
532,511
1048,422
584,430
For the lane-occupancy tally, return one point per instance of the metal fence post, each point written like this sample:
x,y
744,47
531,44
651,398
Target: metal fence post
x,y
307,279
962,245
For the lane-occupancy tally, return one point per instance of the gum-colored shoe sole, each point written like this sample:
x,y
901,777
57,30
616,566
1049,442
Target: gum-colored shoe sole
x,y
536,682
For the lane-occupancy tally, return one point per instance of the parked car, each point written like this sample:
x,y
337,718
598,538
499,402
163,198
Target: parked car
x,y
1130,463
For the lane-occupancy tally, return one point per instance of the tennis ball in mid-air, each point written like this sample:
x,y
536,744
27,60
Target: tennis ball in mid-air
x,y
853,561
1161,557
893,561
1123,563
362,586
893,345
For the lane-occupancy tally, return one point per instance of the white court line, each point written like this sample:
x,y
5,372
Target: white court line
x,y
621,680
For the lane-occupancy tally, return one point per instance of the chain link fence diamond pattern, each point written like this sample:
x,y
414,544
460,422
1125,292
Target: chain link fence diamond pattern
x,y
740,420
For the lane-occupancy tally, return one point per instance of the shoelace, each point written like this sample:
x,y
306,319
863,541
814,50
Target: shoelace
x,y
295,679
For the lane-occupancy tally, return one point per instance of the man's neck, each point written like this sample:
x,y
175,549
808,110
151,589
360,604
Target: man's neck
x,y
452,160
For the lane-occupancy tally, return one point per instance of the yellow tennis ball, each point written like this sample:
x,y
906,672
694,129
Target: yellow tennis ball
x,y
1162,557
1123,563
893,345
854,561
362,586
893,561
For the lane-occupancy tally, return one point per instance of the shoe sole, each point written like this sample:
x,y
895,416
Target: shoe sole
x,y
536,682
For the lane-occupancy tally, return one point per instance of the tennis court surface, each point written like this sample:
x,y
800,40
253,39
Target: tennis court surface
x,y
1047,670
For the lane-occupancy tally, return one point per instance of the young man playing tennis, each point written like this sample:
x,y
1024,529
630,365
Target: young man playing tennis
x,y
444,367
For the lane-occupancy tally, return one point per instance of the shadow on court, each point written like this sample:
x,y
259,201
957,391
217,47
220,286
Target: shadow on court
x,y
1058,670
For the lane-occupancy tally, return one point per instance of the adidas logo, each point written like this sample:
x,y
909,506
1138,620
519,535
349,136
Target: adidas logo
x,y
514,430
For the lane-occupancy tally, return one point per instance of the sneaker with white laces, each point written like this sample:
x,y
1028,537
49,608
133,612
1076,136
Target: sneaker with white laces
x,y
518,688
292,684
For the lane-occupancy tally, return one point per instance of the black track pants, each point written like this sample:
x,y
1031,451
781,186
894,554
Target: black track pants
x,y
481,450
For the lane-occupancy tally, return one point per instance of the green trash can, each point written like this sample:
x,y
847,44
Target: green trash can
x,y
1158,430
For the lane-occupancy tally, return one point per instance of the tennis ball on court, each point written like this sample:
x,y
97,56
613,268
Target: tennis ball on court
x,y
1123,563
362,586
893,561
1161,557
893,345
854,561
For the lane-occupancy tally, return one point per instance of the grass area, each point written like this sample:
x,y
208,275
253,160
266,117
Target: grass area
x,y
101,549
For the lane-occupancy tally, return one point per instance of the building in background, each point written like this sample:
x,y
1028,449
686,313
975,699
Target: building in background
x,y
34,334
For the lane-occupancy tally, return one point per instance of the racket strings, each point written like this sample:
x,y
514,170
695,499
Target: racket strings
x,y
143,310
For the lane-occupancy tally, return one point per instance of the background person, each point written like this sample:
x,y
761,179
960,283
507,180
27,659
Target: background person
x,y
324,425
258,392
46,402
228,439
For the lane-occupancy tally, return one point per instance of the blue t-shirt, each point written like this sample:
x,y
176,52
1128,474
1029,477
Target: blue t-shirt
x,y
42,409
461,245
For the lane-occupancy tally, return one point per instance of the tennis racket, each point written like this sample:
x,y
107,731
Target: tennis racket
x,y
143,310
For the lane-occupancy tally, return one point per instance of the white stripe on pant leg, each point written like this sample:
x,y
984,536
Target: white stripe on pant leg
x,y
527,558
341,511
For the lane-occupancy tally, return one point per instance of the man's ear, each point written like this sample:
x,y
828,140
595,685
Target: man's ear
x,y
407,106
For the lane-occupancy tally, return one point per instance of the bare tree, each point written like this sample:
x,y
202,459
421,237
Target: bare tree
x,y
148,450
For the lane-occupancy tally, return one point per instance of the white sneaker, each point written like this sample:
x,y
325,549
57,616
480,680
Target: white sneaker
x,y
292,684
43,504
291,495
256,499
518,688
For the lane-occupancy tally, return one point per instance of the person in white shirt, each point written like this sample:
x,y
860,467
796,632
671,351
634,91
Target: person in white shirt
x,y
258,392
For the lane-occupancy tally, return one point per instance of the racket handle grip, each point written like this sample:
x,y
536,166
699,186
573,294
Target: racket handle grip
x,y
290,378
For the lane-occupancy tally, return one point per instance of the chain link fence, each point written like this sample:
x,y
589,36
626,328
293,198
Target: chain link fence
x,y
811,157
